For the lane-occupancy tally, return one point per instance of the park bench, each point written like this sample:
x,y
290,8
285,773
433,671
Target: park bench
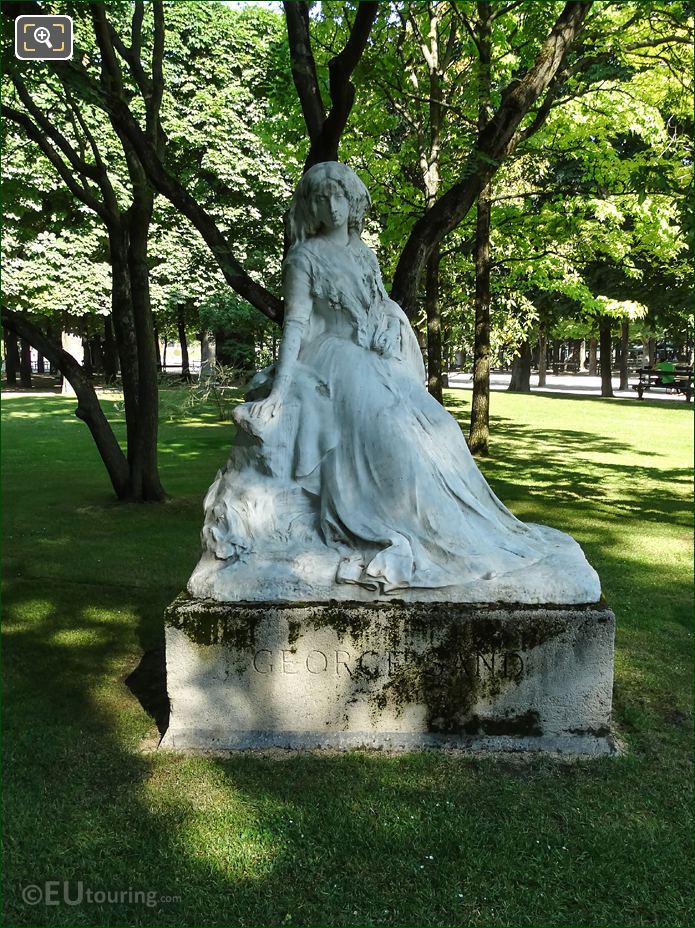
x,y
679,380
565,367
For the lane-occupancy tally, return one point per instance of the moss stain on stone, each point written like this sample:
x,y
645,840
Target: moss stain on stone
x,y
465,663
453,657
208,624
341,619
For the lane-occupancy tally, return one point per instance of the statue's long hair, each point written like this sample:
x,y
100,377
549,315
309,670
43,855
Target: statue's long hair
x,y
302,222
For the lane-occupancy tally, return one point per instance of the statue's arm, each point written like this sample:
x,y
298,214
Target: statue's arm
x,y
298,306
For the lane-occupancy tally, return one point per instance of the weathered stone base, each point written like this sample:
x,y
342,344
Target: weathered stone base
x,y
395,676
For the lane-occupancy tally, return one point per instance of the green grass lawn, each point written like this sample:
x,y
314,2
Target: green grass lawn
x,y
360,838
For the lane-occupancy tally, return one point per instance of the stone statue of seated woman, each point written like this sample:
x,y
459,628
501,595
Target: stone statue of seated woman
x,y
348,480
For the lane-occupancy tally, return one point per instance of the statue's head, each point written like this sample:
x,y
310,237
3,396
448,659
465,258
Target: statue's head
x,y
302,217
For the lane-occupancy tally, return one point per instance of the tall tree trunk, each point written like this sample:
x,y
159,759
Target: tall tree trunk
x,y
110,352
606,346
542,358
96,354
430,154
88,408
521,370
181,325
206,353
434,328
40,364
126,339
55,335
624,352
593,366
144,472
555,355
87,358
157,349
652,352
421,338
479,433
222,353
25,363
11,356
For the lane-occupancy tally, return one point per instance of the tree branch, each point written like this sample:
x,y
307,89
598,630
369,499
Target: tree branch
x,y
304,67
147,153
448,56
136,30
494,143
341,89
64,170
75,110
466,24
157,74
47,127
653,43
547,104
496,13
111,77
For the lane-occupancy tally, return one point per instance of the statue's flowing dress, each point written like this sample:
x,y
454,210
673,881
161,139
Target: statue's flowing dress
x,y
362,460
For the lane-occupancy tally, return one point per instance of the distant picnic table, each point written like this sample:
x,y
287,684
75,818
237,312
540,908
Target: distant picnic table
x,y
679,379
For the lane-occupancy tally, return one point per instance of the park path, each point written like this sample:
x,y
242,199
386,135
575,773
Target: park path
x,y
576,384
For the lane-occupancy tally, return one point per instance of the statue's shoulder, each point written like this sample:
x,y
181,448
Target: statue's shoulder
x,y
365,253
300,257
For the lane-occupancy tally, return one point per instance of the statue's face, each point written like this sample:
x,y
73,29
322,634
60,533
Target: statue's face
x,y
331,205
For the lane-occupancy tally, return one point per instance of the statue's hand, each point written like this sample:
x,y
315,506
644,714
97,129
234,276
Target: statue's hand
x,y
253,417
387,339
266,409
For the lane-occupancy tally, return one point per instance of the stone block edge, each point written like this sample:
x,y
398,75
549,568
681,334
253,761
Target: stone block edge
x,y
185,601
223,742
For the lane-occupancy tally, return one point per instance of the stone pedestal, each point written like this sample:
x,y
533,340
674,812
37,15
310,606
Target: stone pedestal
x,y
400,676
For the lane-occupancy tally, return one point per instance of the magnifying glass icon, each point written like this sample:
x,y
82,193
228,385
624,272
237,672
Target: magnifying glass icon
x,y
43,35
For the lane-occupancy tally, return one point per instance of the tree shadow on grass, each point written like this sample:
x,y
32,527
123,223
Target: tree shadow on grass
x,y
565,465
569,466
